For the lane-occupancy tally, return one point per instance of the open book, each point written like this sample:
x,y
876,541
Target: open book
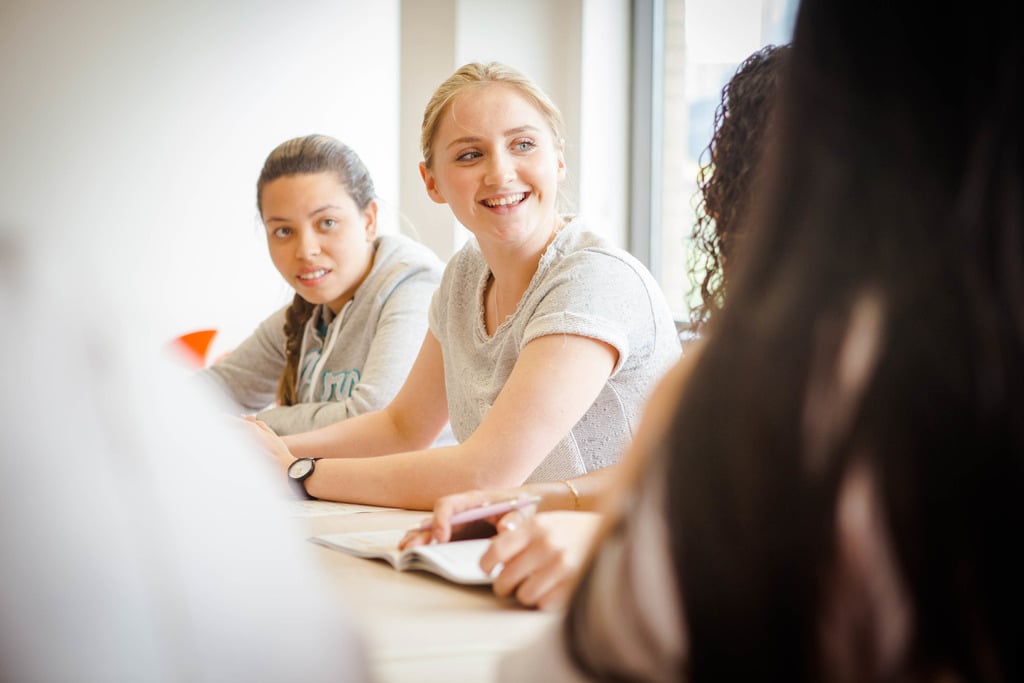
x,y
458,561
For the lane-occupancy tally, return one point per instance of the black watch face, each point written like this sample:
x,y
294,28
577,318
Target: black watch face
x,y
300,468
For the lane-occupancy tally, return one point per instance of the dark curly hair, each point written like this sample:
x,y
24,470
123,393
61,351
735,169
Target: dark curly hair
x,y
727,168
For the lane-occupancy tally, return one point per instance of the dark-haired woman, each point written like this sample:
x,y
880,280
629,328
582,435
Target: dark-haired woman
x,y
833,492
345,344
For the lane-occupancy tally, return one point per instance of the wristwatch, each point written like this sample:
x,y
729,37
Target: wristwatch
x,y
298,472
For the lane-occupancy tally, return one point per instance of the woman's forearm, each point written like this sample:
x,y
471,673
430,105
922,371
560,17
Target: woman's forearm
x,y
361,436
579,493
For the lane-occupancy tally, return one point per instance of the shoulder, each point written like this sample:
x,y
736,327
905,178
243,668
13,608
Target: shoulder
x,y
400,249
469,252
466,262
455,296
400,262
577,245
583,261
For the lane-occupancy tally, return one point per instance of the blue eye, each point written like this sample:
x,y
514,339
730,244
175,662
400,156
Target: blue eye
x,y
468,156
523,145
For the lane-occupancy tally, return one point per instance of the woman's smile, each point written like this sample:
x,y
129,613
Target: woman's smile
x,y
507,201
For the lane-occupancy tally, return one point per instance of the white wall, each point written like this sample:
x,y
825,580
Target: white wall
x,y
133,133
134,130
428,56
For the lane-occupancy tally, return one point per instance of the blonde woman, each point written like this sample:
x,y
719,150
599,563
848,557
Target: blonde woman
x,y
544,339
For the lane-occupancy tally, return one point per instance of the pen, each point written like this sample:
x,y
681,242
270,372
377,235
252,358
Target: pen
x,y
483,511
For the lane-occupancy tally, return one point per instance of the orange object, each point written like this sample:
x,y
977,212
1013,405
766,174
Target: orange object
x,y
195,346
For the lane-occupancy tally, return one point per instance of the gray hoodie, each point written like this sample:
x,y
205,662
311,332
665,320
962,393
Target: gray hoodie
x,y
351,363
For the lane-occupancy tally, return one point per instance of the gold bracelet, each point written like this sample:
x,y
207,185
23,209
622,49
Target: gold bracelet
x,y
575,494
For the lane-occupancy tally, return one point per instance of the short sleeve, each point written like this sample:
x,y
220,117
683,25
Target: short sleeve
x,y
594,293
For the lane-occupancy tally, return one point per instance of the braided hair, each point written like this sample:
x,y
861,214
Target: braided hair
x,y
299,156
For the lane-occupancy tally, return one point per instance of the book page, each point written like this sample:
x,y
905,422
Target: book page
x,y
320,508
458,561
371,544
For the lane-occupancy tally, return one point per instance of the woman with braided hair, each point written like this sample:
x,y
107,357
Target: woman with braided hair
x,y
345,344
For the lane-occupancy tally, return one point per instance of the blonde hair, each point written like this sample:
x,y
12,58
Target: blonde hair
x,y
475,75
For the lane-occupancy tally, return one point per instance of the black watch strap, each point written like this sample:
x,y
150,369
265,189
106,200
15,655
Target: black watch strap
x,y
299,483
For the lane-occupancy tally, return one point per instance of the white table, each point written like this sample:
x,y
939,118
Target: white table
x,y
418,626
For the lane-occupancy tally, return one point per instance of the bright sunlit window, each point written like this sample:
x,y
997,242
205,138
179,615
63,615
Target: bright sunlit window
x,y
704,42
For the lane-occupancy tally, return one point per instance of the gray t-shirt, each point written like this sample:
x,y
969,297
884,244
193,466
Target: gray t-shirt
x,y
351,363
583,286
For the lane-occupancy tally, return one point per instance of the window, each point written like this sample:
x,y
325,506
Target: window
x,y
701,42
